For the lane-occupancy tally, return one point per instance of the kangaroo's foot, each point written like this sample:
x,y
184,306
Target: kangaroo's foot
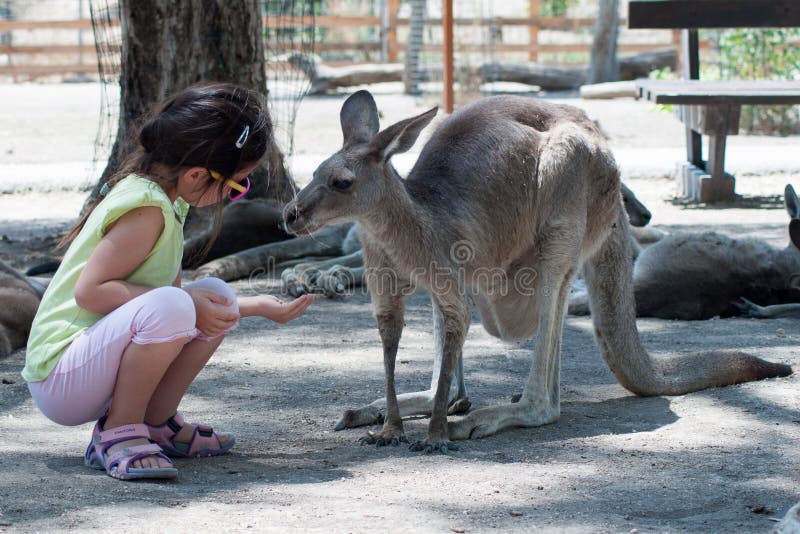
x,y
366,415
751,309
434,443
334,282
391,435
309,278
459,406
294,282
416,403
489,421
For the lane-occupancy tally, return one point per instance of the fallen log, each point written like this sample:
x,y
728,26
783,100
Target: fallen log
x,y
609,90
325,78
547,77
641,65
557,78
262,259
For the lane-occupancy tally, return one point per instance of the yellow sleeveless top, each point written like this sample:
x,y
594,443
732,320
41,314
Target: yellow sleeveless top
x,y
59,319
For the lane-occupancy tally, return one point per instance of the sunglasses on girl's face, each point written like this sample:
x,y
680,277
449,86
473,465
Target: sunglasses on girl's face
x,y
242,186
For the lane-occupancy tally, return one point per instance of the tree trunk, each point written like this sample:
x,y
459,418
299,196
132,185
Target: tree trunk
x,y
168,45
603,66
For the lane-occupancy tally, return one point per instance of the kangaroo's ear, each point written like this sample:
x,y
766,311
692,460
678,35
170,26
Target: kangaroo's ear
x,y
401,136
794,232
791,201
794,281
359,118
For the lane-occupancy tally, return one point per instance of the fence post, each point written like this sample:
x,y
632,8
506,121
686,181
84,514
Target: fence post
x,y
447,23
533,29
391,30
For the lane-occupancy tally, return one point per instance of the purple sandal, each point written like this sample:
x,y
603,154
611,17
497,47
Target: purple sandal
x,y
204,442
118,464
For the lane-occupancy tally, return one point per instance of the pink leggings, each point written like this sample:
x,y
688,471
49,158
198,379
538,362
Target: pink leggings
x,y
80,387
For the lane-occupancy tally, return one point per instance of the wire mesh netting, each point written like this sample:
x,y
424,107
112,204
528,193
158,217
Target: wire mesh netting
x,y
108,43
289,26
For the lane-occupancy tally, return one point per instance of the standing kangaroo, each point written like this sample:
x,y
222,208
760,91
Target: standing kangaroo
x,y
508,199
332,277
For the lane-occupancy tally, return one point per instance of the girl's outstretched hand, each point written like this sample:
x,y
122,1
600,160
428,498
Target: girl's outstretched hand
x,y
281,311
213,318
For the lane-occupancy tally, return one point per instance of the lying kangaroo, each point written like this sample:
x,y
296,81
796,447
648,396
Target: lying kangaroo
x,y
508,199
19,300
700,276
333,277
244,224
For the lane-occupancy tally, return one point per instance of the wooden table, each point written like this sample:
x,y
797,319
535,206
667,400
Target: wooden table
x,y
713,108
690,15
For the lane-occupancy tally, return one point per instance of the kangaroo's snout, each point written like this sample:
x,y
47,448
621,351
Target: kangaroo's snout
x,y
300,215
292,217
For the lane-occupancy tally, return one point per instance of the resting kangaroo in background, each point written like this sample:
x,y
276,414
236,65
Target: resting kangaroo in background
x,y
700,276
508,199
333,277
19,300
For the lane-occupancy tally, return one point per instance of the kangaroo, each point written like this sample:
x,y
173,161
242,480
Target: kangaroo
x,y
245,224
333,277
19,300
509,198
700,276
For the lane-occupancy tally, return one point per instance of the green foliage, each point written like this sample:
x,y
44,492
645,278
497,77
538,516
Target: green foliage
x,y
750,54
555,8
663,74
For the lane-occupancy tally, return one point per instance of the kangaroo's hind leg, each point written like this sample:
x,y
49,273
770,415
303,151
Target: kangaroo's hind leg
x,y
418,402
556,261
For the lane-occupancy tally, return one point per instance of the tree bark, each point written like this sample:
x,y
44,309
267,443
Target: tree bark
x,y
168,45
603,65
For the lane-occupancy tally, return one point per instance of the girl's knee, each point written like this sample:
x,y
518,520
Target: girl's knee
x,y
221,288
168,308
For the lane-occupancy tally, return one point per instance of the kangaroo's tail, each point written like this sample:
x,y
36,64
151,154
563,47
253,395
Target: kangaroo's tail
x,y
610,283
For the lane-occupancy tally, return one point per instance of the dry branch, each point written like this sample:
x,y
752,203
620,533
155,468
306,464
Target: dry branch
x,y
554,78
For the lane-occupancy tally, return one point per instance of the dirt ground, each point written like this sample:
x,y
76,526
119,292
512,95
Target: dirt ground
x,y
720,460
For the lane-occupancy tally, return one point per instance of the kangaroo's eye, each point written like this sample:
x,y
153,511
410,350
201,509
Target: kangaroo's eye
x,y
341,185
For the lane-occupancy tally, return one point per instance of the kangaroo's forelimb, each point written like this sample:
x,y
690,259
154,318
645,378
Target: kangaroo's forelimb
x,y
418,402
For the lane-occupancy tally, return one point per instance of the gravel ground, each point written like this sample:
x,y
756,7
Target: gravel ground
x,y
721,460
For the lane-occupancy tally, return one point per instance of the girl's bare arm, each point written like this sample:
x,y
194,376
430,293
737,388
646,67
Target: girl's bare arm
x,y
101,287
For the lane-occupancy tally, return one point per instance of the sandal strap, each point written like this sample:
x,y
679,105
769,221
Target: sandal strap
x,y
133,453
123,458
114,435
202,440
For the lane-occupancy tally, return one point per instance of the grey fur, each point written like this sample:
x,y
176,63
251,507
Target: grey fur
x,y
510,184
700,276
333,277
19,300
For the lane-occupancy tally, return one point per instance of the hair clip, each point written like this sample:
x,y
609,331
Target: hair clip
x,y
104,190
243,138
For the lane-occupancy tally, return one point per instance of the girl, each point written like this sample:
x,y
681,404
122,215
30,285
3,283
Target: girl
x,y
116,339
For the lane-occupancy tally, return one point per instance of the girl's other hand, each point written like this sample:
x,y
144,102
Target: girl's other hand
x,y
213,316
280,311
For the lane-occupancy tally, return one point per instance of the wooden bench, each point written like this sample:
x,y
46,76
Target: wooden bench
x,y
711,108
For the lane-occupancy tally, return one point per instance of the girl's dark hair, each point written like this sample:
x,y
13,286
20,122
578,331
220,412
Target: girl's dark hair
x,y
204,125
